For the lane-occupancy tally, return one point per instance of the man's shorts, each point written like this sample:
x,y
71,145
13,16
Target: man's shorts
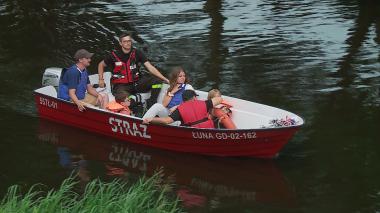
x,y
90,99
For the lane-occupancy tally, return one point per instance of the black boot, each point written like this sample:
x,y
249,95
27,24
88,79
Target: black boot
x,y
136,107
153,97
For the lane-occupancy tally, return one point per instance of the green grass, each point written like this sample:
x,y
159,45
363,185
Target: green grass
x,y
146,195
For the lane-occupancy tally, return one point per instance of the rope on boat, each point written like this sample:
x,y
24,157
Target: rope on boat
x,y
287,121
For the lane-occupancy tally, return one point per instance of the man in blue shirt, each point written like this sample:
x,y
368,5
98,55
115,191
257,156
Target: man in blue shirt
x,y
75,82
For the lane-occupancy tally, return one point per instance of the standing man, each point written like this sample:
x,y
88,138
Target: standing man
x,y
125,64
192,112
74,83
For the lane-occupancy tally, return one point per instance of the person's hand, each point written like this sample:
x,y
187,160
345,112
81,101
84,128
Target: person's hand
x,y
147,120
81,106
167,81
101,83
171,110
99,98
176,88
102,99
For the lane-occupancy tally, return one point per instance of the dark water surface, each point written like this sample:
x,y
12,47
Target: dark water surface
x,y
318,59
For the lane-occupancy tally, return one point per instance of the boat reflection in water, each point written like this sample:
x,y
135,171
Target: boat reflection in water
x,y
201,181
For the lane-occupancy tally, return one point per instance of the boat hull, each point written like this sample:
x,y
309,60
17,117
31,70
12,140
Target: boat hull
x,y
262,143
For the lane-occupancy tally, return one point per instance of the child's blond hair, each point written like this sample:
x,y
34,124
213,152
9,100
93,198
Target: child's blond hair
x,y
213,93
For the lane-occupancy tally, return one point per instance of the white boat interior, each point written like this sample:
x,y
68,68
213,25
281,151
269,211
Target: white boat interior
x,y
245,114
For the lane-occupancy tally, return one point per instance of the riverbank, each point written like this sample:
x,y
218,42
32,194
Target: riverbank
x,y
146,195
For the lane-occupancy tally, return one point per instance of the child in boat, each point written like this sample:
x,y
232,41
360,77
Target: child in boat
x,y
178,83
213,93
121,103
222,113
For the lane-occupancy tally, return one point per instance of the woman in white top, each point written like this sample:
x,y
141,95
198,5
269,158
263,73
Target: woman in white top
x,y
173,96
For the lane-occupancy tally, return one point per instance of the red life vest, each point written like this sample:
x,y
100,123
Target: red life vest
x,y
194,113
124,71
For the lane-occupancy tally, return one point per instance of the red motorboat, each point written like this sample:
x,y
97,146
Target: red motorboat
x,y
262,130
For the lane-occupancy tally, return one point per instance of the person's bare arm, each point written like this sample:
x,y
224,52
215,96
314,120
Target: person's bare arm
x,y
75,99
166,100
101,67
155,71
169,95
157,120
91,90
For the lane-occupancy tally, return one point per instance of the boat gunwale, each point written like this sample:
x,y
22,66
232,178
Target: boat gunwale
x,y
35,92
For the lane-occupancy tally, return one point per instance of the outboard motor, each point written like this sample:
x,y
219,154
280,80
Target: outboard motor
x,y
51,77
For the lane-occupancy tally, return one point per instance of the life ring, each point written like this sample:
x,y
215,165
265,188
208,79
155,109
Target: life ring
x,y
119,108
223,114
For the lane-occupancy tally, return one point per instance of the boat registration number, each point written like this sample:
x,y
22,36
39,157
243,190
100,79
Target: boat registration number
x,y
48,103
224,135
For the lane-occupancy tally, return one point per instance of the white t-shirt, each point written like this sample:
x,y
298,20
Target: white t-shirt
x,y
188,86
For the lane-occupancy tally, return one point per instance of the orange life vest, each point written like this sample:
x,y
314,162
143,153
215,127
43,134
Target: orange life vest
x,y
117,107
223,114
